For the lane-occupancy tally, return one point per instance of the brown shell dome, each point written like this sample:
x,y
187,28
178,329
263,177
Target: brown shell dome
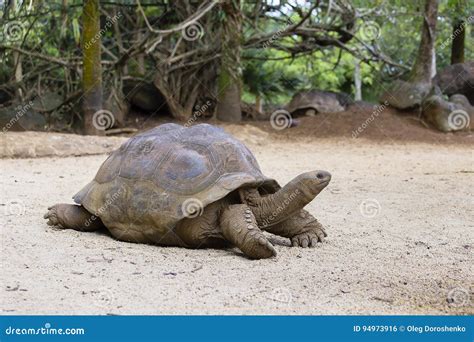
x,y
147,181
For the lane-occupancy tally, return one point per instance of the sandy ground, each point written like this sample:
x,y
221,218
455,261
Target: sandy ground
x,y
399,218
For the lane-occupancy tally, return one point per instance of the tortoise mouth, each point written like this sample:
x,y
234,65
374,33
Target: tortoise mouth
x,y
323,184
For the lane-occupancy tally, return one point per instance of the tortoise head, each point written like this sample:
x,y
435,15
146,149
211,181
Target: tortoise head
x,y
311,183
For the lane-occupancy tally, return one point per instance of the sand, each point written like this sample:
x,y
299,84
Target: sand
x,y
399,218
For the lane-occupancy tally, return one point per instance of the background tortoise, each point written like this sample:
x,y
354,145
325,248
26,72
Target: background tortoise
x,y
318,101
193,187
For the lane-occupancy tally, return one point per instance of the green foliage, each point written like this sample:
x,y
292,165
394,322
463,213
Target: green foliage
x,y
398,38
268,73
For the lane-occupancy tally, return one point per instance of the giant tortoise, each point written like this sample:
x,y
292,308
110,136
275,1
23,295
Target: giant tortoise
x,y
193,187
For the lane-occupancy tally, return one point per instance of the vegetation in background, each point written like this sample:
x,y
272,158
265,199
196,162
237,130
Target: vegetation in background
x,y
284,48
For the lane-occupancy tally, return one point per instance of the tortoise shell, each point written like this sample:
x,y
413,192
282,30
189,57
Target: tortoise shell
x,y
153,178
319,100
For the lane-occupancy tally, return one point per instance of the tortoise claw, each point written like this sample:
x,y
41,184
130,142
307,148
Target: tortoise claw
x,y
308,239
52,217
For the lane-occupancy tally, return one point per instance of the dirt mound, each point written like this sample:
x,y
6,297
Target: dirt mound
x,y
367,121
361,120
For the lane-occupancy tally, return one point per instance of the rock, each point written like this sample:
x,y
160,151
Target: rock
x,y
319,100
463,102
21,118
47,102
144,95
457,79
405,95
448,116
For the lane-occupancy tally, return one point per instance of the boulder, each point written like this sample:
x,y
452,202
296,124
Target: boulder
x,y
5,96
457,79
21,118
144,95
405,95
47,102
462,102
318,101
449,116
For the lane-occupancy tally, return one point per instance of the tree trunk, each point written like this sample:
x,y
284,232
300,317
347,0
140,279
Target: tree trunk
x,y
457,47
258,103
92,73
229,81
140,58
18,73
18,67
422,71
357,82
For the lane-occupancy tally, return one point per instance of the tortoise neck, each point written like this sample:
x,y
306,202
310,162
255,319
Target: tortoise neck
x,y
275,208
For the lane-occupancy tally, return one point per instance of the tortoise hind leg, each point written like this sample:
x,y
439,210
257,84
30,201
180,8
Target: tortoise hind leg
x,y
239,226
73,217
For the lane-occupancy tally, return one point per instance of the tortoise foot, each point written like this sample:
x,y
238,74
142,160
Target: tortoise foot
x,y
309,238
72,216
52,216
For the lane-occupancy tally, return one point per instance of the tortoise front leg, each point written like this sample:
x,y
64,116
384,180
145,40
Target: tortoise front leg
x,y
303,229
239,226
73,217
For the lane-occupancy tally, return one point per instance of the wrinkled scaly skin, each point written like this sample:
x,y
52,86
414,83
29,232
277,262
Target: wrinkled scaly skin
x,y
253,203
